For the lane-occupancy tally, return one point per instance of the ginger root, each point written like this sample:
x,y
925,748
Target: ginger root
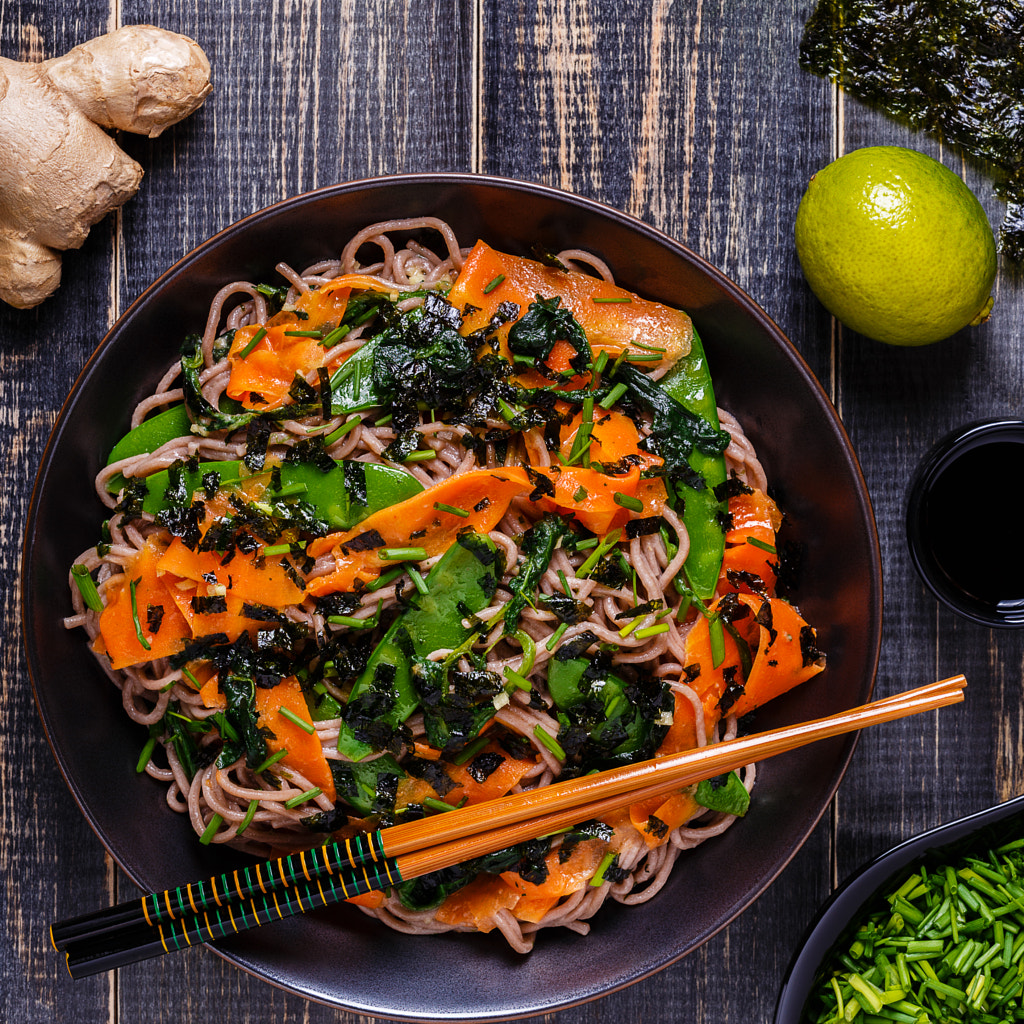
x,y
60,172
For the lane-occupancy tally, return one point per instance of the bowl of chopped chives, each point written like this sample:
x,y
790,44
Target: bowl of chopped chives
x,y
931,930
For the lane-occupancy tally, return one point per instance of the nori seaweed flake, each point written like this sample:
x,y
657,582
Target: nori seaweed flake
x,y
954,68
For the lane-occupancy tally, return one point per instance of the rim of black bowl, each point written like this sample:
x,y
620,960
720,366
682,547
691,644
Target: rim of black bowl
x,y
593,980
1005,615
836,915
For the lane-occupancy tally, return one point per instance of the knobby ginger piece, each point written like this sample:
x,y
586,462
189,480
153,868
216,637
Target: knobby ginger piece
x,y
60,172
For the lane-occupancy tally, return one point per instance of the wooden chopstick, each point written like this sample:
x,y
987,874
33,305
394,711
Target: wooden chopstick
x,y
164,921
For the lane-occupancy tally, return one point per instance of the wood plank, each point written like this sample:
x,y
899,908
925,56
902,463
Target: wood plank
x,y
48,856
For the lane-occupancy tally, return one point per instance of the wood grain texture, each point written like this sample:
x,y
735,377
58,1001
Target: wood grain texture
x,y
692,116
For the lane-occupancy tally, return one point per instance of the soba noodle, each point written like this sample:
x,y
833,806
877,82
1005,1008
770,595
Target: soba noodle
x,y
262,811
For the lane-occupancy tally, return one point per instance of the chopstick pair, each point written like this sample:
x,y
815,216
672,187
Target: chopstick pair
x,y
246,898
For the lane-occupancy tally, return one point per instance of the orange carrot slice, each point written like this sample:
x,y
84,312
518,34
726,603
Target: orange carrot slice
x,y
305,752
669,813
508,773
477,904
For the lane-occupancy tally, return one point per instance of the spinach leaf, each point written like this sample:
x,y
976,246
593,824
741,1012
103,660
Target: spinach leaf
x,y
538,546
545,322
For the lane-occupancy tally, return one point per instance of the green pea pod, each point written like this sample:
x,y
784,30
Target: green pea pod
x,y
462,582
336,501
165,426
689,383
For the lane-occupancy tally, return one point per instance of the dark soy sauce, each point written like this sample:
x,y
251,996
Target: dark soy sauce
x,y
972,526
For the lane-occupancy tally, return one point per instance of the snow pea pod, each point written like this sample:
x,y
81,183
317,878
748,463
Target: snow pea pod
x,y
462,582
165,426
342,497
689,383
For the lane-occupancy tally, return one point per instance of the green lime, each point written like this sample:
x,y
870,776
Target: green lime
x,y
896,246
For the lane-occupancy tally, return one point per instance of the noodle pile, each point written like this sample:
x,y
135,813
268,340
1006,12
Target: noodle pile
x,y
262,811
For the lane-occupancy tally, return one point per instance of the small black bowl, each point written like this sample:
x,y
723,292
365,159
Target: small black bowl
x,y
835,919
954,523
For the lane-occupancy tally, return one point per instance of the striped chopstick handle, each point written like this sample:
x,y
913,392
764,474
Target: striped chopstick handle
x,y
231,917
230,887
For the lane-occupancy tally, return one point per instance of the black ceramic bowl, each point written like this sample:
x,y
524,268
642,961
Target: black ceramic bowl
x,y
340,956
836,918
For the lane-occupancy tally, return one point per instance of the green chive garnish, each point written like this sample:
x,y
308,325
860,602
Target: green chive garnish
x,y
284,549
547,740
490,286
601,361
307,727
628,501
346,427
304,334
310,794
249,815
580,493
470,750
420,455
442,507
417,580
643,357
564,582
335,336
613,396
211,829
271,760
598,553
437,805
191,678
658,627
517,680
606,862
648,348
587,544
770,548
351,622
402,554
384,579
256,339
384,420
716,634
86,587
611,298
552,641
135,615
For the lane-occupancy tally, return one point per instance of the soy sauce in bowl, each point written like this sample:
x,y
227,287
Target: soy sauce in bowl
x,y
961,522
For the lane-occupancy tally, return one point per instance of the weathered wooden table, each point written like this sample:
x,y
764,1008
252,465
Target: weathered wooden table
x,y
695,117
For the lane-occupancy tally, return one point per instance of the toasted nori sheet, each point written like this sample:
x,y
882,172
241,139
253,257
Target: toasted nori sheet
x,y
951,67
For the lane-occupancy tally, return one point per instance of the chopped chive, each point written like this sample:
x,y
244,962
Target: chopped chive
x,y
529,651
310,794
770,548
493,283
507,412
580,494
417,580
384,420
648,348
420,455
552,641
340,432
304,334
284,549
630,626
517,680
145,755
606,862
619,360
254,341
307,727
249,815
335,336
611,298
613,396
598,553
442,507
564,582
628,501
135,615
402,554
86,587
547,740
716,634
470,750
437,805
640,357
352,622
271,760
211,829
385,578
601,361
587,544
650,631
191,678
